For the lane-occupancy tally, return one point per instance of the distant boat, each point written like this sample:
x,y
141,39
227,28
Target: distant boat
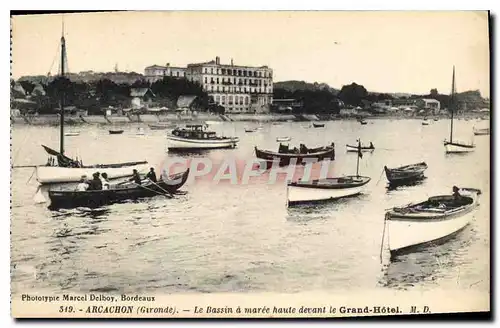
x,y
318,125
327,189
436,119
283,139
481,132
406,173
285,155
140,132
115,131
159,126
450,145
250,130
425,122
277,123
196,137
71,134
213,122
363,122
430,221
351,148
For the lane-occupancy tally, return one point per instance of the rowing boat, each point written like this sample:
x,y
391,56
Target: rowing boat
x,y
286,156
118,193
406,173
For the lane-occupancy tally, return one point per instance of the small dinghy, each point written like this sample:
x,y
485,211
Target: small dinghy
x,y
406,173
71,134
283,139
115,131
481,132
436,119
285,155
363,122
425,122
430,221
250,130
319,125
117,193
139,132
303,192
351,148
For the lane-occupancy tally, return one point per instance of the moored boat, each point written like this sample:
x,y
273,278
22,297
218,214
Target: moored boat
x,y
283,139
363,122
115,131
286,156
139,132
116,193
454,147
319,190
71,134
351,148
425,122
250,130
431,221
482,132
196,137
406,173
318,125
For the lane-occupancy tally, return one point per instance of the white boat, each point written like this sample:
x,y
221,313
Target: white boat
x,y
71,134
481,132
429,222
140,132
213,122
283,139
312,191
57,174
451,146
60,168
425,122
196,137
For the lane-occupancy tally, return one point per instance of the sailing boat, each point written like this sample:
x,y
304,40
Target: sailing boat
x,y
450,145
70,170
313,191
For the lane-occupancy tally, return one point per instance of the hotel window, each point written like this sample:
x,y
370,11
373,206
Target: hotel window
x,y
246,100
236,100
206,79
230,100
223,89
218,71
217,88
223,99
245,90
217,99
241,100
217,80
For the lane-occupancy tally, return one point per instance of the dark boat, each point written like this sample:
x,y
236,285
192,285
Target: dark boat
x,y
118,193
285,155
363,122
406,173
318,125
115,131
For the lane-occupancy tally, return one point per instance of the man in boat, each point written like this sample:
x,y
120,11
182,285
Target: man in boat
x,y
105,181
371,145
95,183
457,198
83,185
135,177
151,175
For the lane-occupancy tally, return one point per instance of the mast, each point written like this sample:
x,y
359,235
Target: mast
x,y
63,57
452,100
359,154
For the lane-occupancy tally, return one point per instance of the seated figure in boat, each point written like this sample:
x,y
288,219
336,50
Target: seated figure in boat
x,y
371,145
457,198
151,175
136,177
83,185
95,183
105,181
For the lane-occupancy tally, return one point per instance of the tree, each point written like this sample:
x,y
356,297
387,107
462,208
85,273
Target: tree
x,y
353,94
434,92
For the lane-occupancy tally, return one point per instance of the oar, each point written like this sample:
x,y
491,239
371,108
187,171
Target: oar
x,y
156,192
166,191
380,177
383,235
31,176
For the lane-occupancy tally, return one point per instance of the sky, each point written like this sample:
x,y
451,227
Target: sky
x,y
409,52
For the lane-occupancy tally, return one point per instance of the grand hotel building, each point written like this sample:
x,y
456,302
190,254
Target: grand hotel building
x,y
239,89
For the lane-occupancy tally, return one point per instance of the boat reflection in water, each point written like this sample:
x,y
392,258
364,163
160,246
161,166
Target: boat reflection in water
x,y
428,265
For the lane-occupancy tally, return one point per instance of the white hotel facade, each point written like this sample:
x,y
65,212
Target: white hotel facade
x,y
239,89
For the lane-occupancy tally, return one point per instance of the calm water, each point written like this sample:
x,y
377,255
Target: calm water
x,y
221,238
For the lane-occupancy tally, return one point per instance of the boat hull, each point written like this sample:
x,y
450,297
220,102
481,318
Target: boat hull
x,y
407,236
306,194
287,158
98,198
481,132
175,143
454,148
411,231
56,174
398,176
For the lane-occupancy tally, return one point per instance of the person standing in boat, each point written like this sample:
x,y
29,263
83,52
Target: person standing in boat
x,y
105,181
135,177
95,183
151,175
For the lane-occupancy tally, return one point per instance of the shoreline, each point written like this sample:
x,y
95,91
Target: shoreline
x,y
53,119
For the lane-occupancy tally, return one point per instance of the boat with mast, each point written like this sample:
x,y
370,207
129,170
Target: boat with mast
x,y
66,169
452,146
313,191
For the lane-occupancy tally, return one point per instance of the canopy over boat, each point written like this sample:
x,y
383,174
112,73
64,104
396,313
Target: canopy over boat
x,y
117,193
